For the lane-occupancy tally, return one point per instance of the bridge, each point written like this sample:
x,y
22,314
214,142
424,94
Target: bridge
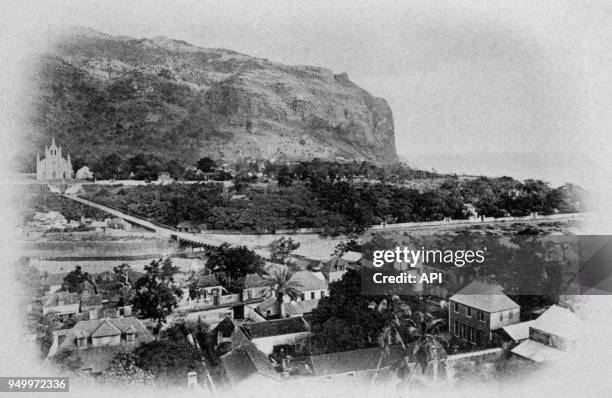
x,y
201,240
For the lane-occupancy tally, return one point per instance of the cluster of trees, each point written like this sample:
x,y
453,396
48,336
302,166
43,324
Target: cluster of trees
x,y
43,200
142,166
339,206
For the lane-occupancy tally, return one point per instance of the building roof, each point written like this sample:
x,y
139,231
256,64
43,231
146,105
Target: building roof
x,y
518,331
228,329
537,352
275,327
207,281
245,361
54,279
295,308
253,280
309,281
105,329
351,256
350,361
485,297
102,327
560,322
67,297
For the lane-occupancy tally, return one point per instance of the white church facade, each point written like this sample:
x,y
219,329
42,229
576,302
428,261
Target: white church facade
x,y
53,166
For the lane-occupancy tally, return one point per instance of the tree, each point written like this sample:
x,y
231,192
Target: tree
x,y
75,281
123,272
231,264
278,281
169,361
156,294
206,165
347,307
423,331
284,176
123,370
281,248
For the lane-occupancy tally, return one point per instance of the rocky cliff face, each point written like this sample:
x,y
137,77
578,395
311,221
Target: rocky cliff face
x,y
100,94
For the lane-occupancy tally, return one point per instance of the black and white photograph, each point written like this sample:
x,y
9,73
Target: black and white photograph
x,y
300,198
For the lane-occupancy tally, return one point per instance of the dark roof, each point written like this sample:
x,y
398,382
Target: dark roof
x,y
207,281
350,361
275,328
245,361
228,329
253,280
300,307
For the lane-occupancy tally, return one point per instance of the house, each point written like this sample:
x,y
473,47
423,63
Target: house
x,y
279,332
228,336
551,335
299,308
84,174
312,286
54,282
190,227
118,223
94,343
335,268
207,286
477,310
247,367
64,305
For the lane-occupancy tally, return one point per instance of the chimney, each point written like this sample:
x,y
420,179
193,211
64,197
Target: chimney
x,y
127,310
192,379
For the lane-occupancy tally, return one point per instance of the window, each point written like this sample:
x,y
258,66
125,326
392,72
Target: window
x,y
468,311
481,316
456,328
501,316
456,307
312,295
510,315
303,297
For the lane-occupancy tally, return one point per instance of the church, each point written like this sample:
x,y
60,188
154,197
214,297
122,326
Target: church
x,y
53,166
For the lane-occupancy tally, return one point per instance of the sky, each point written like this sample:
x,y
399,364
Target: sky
x,y
490,87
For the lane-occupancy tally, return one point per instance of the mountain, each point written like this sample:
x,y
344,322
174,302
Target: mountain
x,y
98,94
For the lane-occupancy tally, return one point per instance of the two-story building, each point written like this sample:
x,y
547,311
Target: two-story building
x,y
477,310
64,305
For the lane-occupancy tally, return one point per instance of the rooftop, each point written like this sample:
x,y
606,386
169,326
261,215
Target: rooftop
x,y
485,297
275,327
295,308
66,297
537,352
351,256
207,281
246,361
309,281
350,361
518,331
560,322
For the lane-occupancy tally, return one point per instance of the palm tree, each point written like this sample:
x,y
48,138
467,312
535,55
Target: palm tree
x,y
278,281
423,330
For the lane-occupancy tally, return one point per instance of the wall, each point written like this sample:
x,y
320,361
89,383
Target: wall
x,y
266,344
